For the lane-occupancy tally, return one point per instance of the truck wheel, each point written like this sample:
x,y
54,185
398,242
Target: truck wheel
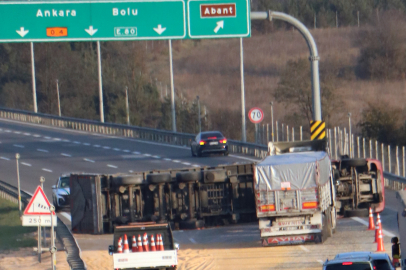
x,y
361,212
159,178
185,177
215,176
354,162
135,179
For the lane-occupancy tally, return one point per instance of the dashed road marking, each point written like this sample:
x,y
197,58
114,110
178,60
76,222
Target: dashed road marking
x,y
116,149
65,140
42,150
47,170
7,130
192,240
48,138
106,147
112,166
156,157
18,145
76,142
17,132
57,139
27,134
131,171
127,151
65,155
96,145
167,159
147,155
36,135
176,161
195,165
4,158
26,164
88,160
137,153
186,163
87,144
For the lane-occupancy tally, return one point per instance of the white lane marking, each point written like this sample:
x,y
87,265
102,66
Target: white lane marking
x,y
321,262
127,151
192,240
167,159
65,140
76,142
27,134
47,170
131,171
17,132
366,223
7,130
246,158
176,161
112,166
147,155
42,150
116,149
36,135
66,215
96,145
65,155
156,157
137,153
18,145
4,158
57,139
304,248
106,147
1,129
87,144
186,163
195,165
26,164
88,160
48,138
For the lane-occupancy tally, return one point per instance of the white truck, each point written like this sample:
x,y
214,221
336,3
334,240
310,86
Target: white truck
x,y
145,255
294,194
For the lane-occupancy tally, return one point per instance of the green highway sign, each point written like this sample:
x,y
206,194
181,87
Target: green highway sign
x,y
218,19
44,21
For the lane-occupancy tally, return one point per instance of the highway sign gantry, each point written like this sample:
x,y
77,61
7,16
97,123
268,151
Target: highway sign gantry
x,y
45,21
37,212
256,115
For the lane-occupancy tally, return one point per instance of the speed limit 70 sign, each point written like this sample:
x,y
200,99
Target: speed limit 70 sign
x,y
256,115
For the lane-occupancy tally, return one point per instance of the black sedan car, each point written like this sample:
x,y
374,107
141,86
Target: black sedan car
x,y
209,142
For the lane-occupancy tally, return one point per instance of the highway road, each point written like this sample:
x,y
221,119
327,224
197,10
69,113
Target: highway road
x,y
50,152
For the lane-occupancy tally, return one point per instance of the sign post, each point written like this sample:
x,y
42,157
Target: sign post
x,y
256,115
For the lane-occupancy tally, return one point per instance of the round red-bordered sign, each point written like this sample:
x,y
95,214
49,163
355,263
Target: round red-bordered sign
x,y
256,115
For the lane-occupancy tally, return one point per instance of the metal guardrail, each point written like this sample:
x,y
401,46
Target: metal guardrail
x,y
63,234
142,133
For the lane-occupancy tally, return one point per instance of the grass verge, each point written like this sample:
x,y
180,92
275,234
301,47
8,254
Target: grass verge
x,y
12,234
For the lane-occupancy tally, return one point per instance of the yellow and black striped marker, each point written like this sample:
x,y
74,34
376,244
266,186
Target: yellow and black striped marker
x,y
317,130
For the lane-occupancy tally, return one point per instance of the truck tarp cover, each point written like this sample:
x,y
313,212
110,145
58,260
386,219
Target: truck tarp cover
x,y
302,170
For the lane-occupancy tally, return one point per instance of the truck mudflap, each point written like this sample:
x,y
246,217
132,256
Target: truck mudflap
x,y
290,240
152,259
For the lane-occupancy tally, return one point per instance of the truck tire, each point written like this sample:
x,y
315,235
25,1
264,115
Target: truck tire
x,y
215,176
361,212
136,179
159,178
185,177
354,162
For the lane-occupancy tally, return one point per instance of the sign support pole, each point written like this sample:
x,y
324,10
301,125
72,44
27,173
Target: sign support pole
x,y
101,109
34,88
18,184
172,88
42,180
243,127
39,249
53,247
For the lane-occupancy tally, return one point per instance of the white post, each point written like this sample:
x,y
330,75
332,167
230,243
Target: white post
x,y
59,100
243,125
172,88
389,159
273,137
376,150
350,145
383,156
403,161
358,148
127,105
293,134
101,109
283,131
397,161
34,87
363,148
370,149
301,133
267,132
277,131
287,132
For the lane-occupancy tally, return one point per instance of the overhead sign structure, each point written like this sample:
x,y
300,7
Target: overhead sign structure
x,y
218,19
256,115
37,212
89,20
45,21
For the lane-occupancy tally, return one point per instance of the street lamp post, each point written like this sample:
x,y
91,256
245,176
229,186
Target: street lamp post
x,y
198,114
59,99
272,121
350,140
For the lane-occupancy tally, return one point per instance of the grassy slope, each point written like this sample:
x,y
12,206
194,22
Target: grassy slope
x,y
210,69
12,234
